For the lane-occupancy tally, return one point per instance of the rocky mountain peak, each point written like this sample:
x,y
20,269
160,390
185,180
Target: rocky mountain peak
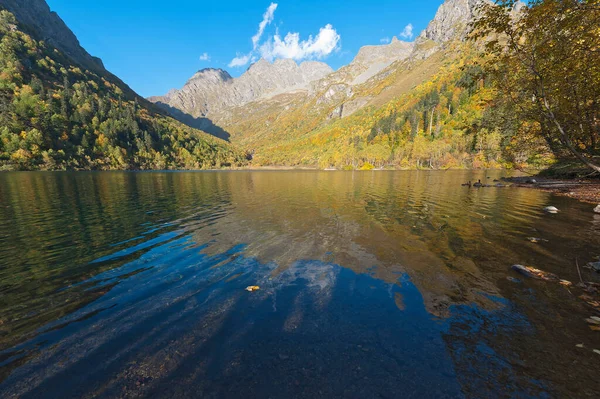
x,y
259,66
451,20
215,75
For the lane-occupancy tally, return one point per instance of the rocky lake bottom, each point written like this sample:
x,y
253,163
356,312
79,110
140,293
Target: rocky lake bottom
x,y
365,284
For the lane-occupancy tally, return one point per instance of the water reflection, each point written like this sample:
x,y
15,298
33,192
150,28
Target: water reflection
x,y
372,284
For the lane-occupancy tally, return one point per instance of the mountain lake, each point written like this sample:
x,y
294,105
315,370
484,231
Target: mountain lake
x,y
292,284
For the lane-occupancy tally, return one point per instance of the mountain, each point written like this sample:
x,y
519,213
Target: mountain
x,y
60,108
370,60
214,94
451,20
401,104
210,91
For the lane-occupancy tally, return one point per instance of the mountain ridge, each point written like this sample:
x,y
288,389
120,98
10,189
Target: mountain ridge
x,y
203,99
213,89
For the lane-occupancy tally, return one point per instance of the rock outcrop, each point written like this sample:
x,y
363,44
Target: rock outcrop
x,y
452,20
377,58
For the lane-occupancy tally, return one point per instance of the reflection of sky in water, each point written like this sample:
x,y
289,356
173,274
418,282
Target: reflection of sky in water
x,y
372,285
179,322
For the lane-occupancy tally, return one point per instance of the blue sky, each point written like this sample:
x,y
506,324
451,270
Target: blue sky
x,y
156,45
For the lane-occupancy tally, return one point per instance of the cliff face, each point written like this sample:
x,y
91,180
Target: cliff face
x,y
451,20
50,27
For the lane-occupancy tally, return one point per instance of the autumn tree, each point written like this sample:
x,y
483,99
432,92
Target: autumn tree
x,y
545,62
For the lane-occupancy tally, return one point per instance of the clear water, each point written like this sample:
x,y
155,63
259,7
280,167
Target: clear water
x,y
372,285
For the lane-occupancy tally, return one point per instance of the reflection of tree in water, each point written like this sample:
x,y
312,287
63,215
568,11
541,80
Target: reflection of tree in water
x,y
53,225
365,220
171,312
178,328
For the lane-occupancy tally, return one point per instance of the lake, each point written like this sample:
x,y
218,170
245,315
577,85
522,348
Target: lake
x,y
375,284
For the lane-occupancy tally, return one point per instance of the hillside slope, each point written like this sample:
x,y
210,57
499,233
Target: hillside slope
x,y
404,105
425,105
55,113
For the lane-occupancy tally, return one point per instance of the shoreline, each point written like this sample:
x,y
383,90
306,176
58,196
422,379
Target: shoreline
x,y
584,190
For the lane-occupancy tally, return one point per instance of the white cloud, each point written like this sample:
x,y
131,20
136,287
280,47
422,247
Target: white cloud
x,y
384,40
204,57
240,60
267,19
320,46
407,33
292,47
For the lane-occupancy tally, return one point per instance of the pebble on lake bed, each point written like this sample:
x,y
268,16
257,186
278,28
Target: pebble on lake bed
x,y
551,209
595,266
252,288
597,209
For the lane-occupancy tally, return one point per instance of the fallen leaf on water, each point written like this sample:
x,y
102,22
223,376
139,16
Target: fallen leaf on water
x,y
579,345
536,240
252,288
597,351
595,328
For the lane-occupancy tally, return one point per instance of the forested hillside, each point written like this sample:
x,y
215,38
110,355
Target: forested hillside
x,y
55,114
448,121
484,86
516,86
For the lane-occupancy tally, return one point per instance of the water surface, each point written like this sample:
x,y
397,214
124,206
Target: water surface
x,y
373,284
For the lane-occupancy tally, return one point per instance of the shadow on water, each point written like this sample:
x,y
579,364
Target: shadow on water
x,y
186,326
372,285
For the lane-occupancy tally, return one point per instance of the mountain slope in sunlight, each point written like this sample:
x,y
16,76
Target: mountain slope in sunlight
x,y
60,111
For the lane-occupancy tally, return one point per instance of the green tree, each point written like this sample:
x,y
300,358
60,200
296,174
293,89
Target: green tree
x,y
545,62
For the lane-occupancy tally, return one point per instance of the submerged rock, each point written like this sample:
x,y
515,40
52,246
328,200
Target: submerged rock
x,y
551,209
535,273
595,266
597,209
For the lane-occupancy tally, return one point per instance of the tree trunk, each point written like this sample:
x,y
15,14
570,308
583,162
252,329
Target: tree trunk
x,y
567,141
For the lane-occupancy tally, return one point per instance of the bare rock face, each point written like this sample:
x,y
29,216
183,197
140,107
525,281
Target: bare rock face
x,y
377,58
369,61
394,51
452,20
201,92
211,91
50,27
